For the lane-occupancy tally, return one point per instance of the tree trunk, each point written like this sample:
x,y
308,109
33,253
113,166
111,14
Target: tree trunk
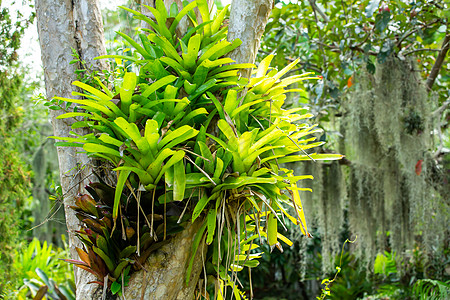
x,y
164,276
66,24
248,18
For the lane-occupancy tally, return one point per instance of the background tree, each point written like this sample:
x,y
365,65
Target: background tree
x,y
378,106
15,173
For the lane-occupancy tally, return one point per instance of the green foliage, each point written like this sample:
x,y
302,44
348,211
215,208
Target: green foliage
x,y
187,128
386,282
42,272
353,46
15,172
336,39
35,256
327,282
385,264
431,289
112,252
10,35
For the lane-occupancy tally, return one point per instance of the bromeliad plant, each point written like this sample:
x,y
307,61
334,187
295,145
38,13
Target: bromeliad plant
x,y
111,252
187,131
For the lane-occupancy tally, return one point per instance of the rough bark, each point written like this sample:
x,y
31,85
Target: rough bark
x,y
64,25
439,61
248,18
165,270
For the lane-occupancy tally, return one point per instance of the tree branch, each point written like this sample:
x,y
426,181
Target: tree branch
x,y
419,50
306,66
319,11
336,49
439,61
315,11
415,30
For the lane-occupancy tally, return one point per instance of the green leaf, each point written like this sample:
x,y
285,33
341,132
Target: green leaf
x,y
132,132
161,8
126,57
90,105
230,67
179,135
371,7
243,107
173,12
179,184
195,244
237,182
106,138
381,22
203,7
193,48
92,90
158,84
206,153
144,177
121,179
219,168
176,66
96,148
272,230
211,221
167,47
218,20
227,130
147,45
231,101
118,270
161,17
67,144
127,251
200,206
138,47
176,157
43,276
109,263
314,156
217,104
115,287
200,75
189,88
203,88
193,114
73,115
214,51
181,14
268,136
140,16
127,90
286,69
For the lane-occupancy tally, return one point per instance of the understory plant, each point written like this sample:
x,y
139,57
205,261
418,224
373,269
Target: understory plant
x,y
189,140
42,272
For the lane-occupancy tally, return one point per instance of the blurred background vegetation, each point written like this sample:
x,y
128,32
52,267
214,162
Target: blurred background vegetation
x,y
382,101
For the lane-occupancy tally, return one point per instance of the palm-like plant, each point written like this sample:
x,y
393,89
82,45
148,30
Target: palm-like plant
x,y
187,127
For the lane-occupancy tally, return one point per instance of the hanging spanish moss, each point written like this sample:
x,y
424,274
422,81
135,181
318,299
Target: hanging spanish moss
x,y
386,189
388,133
327,203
